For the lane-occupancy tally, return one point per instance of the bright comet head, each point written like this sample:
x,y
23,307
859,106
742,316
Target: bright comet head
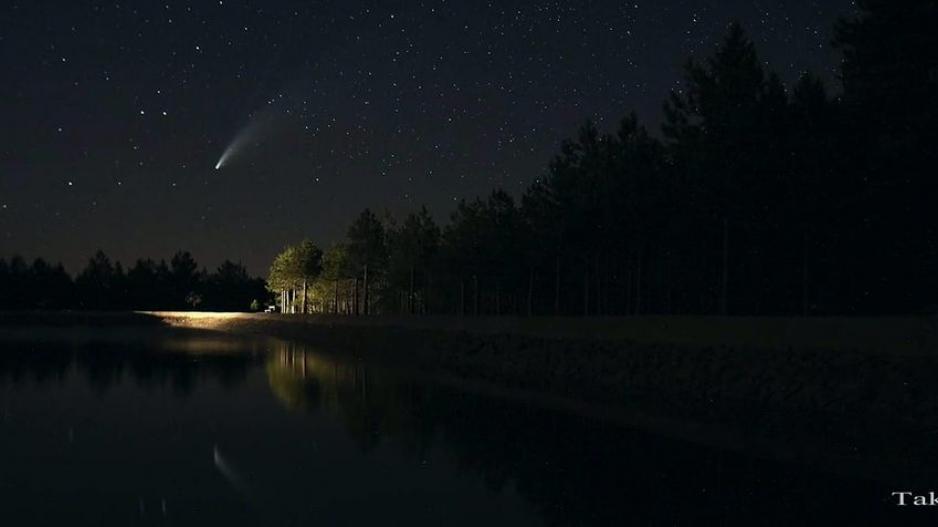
x,y
256,126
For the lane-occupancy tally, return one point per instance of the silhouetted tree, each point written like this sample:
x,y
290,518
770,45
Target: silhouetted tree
x,y
483,249
51,287
185,280
759,199
231,288
102,284
890,77
367,252
719,126
412,249
147,285
99,285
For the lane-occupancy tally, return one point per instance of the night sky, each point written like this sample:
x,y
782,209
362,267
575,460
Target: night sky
x,y
115,114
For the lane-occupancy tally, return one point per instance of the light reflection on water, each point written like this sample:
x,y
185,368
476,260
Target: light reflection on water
x,y
170,428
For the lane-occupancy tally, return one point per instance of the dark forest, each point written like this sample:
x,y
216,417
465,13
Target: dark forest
x,y
755,198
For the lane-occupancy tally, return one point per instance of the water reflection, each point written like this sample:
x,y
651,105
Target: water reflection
x,y
367,404
302,436
88,435
575,470
152,358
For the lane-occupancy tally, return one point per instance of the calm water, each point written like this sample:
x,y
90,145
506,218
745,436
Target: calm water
x,y
160,427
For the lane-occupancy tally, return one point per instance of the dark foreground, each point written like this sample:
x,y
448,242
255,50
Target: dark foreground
x,y
126,425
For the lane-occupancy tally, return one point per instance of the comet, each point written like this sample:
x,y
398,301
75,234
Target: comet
x,y
226,154
251,133
237,144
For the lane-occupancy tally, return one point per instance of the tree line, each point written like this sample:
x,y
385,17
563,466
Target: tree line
x,y
148,285
755,198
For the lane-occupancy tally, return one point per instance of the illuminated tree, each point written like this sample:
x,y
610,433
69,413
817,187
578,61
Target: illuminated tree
x,y
281,278
307,259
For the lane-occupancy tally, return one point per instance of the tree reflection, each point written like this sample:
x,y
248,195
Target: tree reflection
x,y
152,360
575,470
305,381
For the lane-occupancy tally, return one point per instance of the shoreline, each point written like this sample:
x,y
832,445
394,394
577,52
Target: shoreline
x,y
858,403
913,335
872,410
894,335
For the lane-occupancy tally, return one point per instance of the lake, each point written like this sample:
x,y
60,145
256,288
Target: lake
x,y
155,426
